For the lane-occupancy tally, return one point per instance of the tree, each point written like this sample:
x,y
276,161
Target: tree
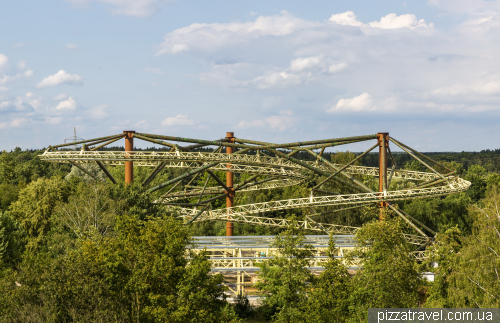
x,y
285,278
12,241
329,299
442,261
477,278
35,205
94,170
89,211
388,276
144,272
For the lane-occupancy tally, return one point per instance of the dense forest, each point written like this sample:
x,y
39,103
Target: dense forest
x,y
73,249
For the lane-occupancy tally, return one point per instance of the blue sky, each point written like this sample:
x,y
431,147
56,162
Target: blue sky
x,y
280,71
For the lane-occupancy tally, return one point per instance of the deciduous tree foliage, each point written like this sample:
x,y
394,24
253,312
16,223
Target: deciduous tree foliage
x,y
285,278
328,301
388,276
35,205
140,274
478,264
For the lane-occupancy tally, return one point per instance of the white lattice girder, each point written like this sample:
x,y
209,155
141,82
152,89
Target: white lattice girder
x,y
240,163
455,186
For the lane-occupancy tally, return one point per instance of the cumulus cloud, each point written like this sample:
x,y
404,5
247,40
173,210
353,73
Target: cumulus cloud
x,y
178,121
3,60
302,63
337,68
67,105
347,18
362,102
392,21
211,36
281,79
61,77
130,8
34,100
16,77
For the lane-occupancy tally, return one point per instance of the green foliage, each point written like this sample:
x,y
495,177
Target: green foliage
x,y
285,279
477,175
89,210
94,170
442,213
8,195
12,241
477,280
22,167
388,277
442,261
139,274
329,299
36,203
242,306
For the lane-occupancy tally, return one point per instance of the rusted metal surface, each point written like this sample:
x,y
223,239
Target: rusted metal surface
x,y
229,186
383,142
129,165
273,166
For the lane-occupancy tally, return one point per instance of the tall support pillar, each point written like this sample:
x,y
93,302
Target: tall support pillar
x,y
129,165
383,143
229,184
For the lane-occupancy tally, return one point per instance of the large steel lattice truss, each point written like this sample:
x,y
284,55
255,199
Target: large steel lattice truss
x,y
270,166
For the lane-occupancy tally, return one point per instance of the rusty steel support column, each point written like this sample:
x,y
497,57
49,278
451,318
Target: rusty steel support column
x,y
229,184
383,143
129,165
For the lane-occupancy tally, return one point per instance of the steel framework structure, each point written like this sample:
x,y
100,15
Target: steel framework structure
x,y
270,166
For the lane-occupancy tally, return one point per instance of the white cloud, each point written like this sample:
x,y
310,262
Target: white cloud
x,y
99,112
3,60
15,123
211,36
179,48
278,123
21,64
302,63
34,100
391,21
67,105
4,105
71,46
61,77
362,102
130,8
337,68
153,70
178,121
347,18
281,79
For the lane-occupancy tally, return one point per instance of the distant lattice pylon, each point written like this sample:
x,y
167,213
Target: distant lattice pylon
x,y
72,139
